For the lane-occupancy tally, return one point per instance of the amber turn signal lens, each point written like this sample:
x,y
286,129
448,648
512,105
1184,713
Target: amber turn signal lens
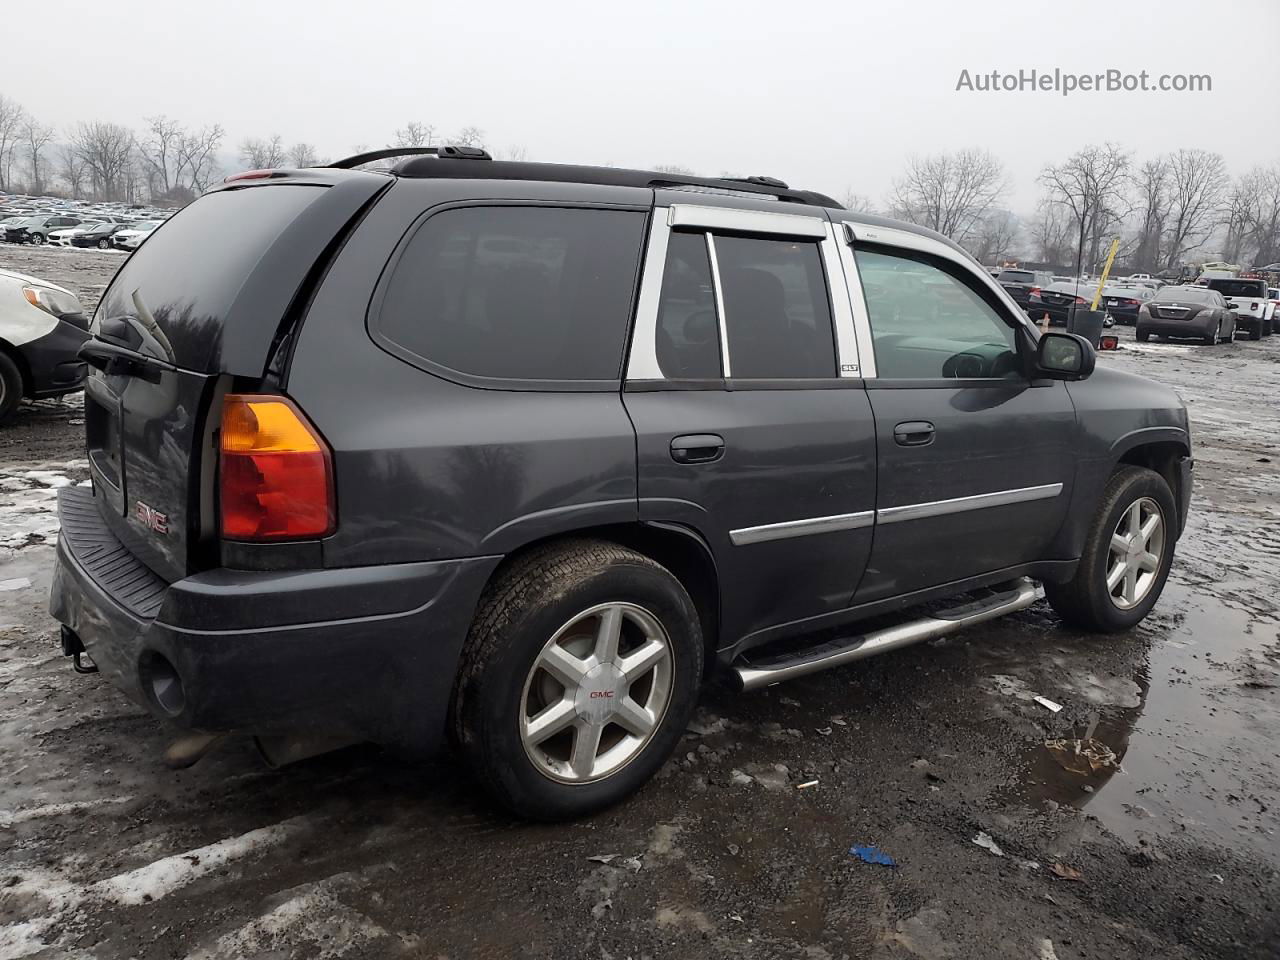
x,y
275,472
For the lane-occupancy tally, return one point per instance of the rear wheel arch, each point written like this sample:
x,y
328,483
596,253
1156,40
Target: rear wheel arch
x,y
678,548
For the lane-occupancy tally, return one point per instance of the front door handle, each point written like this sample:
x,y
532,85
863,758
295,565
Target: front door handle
x,y
697,448
913,433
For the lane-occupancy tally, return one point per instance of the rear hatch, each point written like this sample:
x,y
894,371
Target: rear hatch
x,y
205,302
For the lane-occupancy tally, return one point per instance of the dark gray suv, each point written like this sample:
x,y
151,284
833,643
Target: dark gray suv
x,y
516,454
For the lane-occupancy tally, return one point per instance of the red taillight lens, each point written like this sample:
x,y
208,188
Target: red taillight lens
x,y
275,472
1081,300
1035,291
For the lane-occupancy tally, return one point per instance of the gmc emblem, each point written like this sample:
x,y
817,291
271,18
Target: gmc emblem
x,y
151,518
600,694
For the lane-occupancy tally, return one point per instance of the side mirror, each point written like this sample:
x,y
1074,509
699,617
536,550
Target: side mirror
x,y
1065,356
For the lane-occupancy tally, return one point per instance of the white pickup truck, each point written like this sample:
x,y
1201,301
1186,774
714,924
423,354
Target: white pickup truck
x,y
1249,297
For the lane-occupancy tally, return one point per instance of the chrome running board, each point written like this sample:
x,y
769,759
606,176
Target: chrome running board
x,y
1007,598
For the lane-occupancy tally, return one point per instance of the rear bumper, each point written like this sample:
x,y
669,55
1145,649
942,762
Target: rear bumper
x,y
1194,328
367,652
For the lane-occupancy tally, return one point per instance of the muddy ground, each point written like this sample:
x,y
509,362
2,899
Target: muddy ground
x,y
1174,854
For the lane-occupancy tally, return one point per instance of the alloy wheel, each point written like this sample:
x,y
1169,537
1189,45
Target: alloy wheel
x,y
1137,545
596,693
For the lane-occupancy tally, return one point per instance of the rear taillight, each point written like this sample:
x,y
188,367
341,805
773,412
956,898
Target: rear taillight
x,y
275,473
1081,300
1035,291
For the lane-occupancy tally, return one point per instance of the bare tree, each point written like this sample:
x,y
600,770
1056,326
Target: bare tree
x,y
516,153
1051,234
35,137
259,154
107,150
995,237
674,169
1241,214
470,137
1152,183
198,159
949,192
72,169
11,117
161,150
1198,186
304,155
858,202
415,133
1091,185
1264,232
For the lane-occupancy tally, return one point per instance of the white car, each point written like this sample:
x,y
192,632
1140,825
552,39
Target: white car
x,y
62,237
42,327
129,239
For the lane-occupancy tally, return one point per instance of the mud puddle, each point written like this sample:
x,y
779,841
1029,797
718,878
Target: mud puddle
x,y
1192,732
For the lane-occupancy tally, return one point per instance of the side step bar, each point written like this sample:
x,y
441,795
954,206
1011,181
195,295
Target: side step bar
x,y
1007,598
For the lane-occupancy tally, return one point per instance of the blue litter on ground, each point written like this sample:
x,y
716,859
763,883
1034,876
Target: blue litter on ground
x,y
873,855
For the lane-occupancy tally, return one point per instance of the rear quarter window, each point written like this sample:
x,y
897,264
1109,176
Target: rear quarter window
x,y
514,293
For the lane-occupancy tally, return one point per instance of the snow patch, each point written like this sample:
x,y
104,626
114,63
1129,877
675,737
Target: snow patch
x,y
159,879
9,818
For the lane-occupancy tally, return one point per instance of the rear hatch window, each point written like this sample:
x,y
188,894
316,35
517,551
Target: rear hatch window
x,y
187,274
1239,288
204,295
1016,276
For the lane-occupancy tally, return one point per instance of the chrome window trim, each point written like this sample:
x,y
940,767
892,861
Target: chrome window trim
x,y
801,528
892,237
847,353
718,293
860,318
642,355
746,221
981,501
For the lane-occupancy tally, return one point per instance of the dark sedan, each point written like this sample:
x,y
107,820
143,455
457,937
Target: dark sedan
x,y
1187,312
1022,285
1123,302
1057,299
98,236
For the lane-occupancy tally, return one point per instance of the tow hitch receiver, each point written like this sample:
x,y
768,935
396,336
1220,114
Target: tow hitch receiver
x,y
73,647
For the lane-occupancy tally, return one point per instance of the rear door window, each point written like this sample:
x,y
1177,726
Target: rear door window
x,y
515,292
777,314
688,345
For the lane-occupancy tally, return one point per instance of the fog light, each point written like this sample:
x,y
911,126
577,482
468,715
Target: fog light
x,y
162,683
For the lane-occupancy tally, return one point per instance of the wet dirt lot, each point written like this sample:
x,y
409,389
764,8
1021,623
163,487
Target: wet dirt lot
x,y
1170,852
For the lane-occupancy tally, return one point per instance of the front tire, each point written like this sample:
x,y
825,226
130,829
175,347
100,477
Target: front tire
x,y
35,239
578,677
10,386
1126,558
104,244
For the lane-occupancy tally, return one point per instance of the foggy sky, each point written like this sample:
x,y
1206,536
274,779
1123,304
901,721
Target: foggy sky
x,y
825,95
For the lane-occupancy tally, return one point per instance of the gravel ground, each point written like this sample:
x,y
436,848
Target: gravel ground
x,y
1172,853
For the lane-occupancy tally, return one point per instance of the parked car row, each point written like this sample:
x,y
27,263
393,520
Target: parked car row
x,y
41,220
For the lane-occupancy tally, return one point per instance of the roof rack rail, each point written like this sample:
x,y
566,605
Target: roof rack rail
x,y
762,181
446,165
451,151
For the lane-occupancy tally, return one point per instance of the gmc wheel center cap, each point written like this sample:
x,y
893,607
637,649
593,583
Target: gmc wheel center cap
x,y
601,690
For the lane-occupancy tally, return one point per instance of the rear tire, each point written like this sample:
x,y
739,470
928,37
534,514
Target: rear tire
x,y
10,386
1087,601
1142,336
556,599
1215,336
35,239
104,244
1255,330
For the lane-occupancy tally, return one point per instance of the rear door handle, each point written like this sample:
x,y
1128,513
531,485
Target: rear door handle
x,y
697,448
913,433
